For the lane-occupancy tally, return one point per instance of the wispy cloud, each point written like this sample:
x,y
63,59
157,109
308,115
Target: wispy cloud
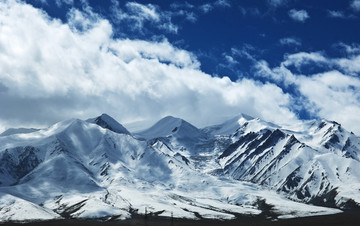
x,y
67,2
276,3
222,3
299,15
290,41
138,14
143,12
336,14
249,11
181,5
207,7
349,49
355,5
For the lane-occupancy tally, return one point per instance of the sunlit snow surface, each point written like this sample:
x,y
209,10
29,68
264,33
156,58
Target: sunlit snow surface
x,y
80,169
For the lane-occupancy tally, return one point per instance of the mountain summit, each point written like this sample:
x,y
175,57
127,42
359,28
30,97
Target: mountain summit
x,y
107,122
171,126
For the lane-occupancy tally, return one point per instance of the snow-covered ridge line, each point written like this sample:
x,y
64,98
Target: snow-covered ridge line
x,y
96,168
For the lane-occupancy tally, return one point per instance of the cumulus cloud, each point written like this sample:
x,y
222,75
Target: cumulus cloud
x,y
331,94
299,15
335,95
50,70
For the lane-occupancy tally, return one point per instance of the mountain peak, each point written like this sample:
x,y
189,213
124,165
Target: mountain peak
x,y
170,125
107,122
172,120
232,125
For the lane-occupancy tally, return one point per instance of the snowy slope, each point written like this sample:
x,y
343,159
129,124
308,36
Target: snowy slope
x,y
330,136
318,169
97,169
179,134
240,124
16,209
171,126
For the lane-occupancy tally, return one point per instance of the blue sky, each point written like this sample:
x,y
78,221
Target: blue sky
x,y
202,60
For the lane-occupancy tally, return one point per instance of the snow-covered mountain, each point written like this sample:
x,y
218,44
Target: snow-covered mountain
x,y
98,169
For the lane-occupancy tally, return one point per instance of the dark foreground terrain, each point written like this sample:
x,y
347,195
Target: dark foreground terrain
x,y
346,218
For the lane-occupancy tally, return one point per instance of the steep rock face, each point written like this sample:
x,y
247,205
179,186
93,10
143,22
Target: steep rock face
x,y
16,162
107,122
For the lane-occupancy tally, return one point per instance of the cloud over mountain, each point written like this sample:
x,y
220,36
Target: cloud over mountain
x,y
51,70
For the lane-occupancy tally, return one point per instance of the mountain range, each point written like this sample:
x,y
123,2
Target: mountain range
x,y
96,168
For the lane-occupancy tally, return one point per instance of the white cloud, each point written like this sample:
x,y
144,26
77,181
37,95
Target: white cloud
x,y
336,14
138,14
350,65
302,58
61,2
206,7
144,12
249,11
299,15
247,51
230,59
277,3
51,71
290,41
331,94
349,49
336,96
222,3
190,16
355,4
177,5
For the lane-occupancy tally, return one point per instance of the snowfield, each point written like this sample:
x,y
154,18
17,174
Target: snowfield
x,y
98,169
